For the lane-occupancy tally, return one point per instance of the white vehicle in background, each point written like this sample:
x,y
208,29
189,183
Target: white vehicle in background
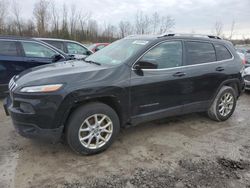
x,y
70,47
246,76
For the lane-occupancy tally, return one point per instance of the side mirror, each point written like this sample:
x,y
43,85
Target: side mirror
x,y
89,53
56,57
146,64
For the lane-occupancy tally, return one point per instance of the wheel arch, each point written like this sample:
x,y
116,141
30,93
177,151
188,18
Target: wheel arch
x,y
234,83
111,101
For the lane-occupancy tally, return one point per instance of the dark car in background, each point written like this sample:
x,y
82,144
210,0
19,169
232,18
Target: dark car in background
x,y
133,80
70,47
19,53
97,46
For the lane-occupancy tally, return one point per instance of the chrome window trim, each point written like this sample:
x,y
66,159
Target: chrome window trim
x,y
183,66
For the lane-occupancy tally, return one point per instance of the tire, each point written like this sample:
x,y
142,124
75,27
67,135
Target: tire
x,y
215,112
84,117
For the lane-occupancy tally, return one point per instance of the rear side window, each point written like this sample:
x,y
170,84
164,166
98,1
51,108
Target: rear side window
x,y
199,52
222,52
57,44
8,48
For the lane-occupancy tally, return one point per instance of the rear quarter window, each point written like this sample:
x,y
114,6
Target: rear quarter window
x,y
8,48
57,44
222,52
199,52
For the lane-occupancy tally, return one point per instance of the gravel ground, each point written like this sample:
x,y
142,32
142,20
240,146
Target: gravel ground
x,y
185,151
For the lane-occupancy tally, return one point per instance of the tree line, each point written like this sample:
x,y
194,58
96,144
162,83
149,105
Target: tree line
x,y
66,22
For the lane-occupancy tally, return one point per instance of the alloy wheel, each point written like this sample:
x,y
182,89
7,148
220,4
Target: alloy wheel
x,y
95,131
226,104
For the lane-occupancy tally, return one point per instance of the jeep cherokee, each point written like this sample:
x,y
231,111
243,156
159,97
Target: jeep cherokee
x,y
133,80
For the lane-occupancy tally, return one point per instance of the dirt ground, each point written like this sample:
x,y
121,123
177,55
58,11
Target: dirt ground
x,y
185,151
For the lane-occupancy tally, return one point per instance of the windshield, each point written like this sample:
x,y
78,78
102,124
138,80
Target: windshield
x,y
117,52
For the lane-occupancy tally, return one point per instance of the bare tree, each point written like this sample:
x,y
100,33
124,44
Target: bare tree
x,y
42,14
3,14
125,29
65,29
155,21
218,28
74,19
232,30
17,16
55,19
167,23
142,23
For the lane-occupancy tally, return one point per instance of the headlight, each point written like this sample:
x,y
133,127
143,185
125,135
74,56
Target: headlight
x,y
42,88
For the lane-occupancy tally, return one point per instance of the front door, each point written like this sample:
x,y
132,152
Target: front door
x,y
154,91
36,54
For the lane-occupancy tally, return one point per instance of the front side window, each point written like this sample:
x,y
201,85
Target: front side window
x,y
222,52
165,55
74,48
32,49
199,52
8,48
118,52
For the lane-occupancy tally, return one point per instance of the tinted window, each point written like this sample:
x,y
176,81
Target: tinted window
x,y
166,55
8,48
57,44
32,49
222,52
74,48
199,52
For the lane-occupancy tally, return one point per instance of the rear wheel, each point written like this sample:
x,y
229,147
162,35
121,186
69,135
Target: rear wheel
x,y
223,105
92,128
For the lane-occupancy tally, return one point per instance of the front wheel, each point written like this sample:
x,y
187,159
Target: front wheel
x,y
92,128
223,105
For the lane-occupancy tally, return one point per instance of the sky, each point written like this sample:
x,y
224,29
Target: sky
x,y
196,16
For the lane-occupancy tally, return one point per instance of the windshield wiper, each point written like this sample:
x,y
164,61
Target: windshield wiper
x,y
93,62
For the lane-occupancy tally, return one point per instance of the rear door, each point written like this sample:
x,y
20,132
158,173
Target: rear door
x,y
11,61
204,74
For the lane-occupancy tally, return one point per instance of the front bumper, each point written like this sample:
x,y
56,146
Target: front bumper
x,y
29,124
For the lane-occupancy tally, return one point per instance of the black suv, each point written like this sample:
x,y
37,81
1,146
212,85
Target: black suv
x,y
133,80
20,53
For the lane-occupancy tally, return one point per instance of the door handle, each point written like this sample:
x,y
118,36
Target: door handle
x,y
179,74
219,69
32,61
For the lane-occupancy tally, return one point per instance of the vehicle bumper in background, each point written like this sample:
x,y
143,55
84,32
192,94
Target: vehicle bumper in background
x,y
25,123
247,85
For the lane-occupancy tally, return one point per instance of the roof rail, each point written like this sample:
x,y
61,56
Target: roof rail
x,y
188,35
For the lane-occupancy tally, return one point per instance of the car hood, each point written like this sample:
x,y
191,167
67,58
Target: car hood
x,y
62,72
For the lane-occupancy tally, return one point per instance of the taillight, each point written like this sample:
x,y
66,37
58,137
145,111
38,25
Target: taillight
x,y
244,61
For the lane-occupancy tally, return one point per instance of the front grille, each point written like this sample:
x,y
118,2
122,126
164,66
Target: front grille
x,y
247,77
12,84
